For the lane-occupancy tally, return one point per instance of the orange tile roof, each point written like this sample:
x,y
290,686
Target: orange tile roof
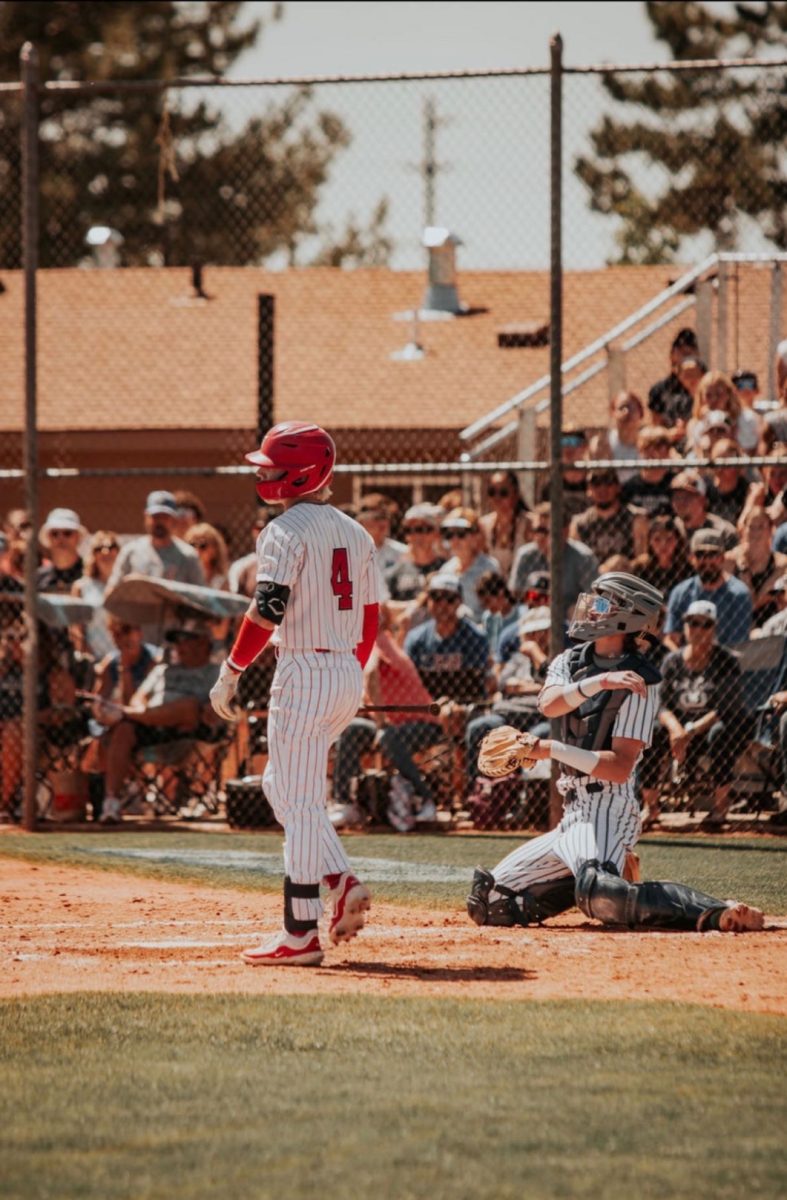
x,y
124,349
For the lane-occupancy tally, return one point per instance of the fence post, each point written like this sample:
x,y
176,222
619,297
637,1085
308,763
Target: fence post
x,y
616,371
704,311
721,317
776,326
30,187
555,368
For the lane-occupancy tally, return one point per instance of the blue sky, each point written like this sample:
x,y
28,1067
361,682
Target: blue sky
x,y
493,136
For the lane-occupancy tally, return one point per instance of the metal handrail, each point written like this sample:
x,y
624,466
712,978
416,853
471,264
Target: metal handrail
x,y
680,285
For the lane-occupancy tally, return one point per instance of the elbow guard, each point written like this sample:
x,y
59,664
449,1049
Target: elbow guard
x,y
371,618
271,600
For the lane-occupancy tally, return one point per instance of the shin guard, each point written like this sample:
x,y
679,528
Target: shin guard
x,y
603,895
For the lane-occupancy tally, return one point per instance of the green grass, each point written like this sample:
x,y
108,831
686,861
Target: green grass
x,y
110,1097
751,869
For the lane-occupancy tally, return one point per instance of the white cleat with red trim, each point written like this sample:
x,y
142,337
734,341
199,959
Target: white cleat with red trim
x,y
351,902
286,950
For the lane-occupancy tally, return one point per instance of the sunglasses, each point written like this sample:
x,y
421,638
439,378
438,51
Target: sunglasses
x,y
497,491
699,622
418,529
450,534
448,597
62,533
22,525
108,546
202,545
707,553
540,529
121,629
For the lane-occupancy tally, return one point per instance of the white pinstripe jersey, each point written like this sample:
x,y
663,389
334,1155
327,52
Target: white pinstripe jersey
x,y
328,561
635,717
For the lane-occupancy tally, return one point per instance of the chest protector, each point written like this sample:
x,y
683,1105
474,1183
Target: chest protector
x,y
589,727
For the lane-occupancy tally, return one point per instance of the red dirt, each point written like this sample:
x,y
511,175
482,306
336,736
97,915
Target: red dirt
x,y
66,929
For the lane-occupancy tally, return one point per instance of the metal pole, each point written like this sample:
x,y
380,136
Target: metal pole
x,y
30,184
774,332
555,363
721,317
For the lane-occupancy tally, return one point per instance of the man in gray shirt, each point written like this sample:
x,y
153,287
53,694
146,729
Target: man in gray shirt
x,y
580,567
158,553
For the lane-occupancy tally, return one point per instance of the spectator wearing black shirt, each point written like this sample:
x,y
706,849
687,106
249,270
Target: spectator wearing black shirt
x,y
60,536
728,487
668,400
666,561
608,526
690,504
649,488
700,712
573,448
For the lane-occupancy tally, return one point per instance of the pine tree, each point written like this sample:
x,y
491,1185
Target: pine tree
x,y
720,135
167,169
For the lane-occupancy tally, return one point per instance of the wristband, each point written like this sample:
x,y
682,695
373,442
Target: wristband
x,y
251,639
582,760
577,693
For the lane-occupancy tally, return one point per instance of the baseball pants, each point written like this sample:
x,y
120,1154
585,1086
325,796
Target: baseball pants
x,y
314,696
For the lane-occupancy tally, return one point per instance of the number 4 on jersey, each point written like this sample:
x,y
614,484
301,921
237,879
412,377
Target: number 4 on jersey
x,y
341,583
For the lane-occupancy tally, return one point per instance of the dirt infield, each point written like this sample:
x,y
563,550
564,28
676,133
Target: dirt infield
x,y
67,929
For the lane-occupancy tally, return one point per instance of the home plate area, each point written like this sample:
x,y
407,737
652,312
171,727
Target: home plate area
x,y
66,929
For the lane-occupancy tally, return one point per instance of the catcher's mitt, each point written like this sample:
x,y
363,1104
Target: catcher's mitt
x,y
505,749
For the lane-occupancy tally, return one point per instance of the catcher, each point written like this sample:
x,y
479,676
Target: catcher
x,y
605,692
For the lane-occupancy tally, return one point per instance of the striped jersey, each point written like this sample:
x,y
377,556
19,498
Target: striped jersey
x,y
327,560
635,717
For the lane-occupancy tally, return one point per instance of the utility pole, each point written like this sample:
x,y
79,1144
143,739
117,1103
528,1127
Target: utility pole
x,y
429,168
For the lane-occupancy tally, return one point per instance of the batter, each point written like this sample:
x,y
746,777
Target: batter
x,y
317,602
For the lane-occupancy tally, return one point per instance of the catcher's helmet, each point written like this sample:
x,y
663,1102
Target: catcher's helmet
x,y
618,604
296,458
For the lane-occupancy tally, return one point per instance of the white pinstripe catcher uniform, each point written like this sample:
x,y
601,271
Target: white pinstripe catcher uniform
x,y
328,562
600,824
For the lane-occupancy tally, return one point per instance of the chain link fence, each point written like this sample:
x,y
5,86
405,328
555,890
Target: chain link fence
x,y
373,255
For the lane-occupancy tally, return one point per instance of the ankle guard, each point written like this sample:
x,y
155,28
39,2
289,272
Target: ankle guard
x,y
299,891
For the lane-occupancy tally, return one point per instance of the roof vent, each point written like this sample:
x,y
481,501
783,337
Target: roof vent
x,y
523,333
441,294
104,243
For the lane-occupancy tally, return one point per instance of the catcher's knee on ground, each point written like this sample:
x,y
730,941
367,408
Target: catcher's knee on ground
x,y
533,904
603,895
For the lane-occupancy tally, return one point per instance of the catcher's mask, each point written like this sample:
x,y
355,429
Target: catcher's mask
x,y
295,459
618,604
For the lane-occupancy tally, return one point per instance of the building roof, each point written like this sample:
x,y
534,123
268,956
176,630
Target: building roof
x,y
129,349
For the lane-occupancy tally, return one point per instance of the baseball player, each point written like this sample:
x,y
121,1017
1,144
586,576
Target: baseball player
x,y
317,601
605,692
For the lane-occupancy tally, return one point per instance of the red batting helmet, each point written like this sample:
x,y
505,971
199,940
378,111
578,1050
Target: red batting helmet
x,y
297,459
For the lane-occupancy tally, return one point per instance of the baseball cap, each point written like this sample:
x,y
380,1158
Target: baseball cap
x,y
689,481
746,381
457,523
601,475
441,581
707,539
162,502
701,608
535,619
537,581
432,514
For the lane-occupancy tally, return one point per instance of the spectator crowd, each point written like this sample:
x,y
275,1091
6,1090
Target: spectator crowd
x,y
465,613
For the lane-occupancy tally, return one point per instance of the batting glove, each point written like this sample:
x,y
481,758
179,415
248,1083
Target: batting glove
x,y
222,694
